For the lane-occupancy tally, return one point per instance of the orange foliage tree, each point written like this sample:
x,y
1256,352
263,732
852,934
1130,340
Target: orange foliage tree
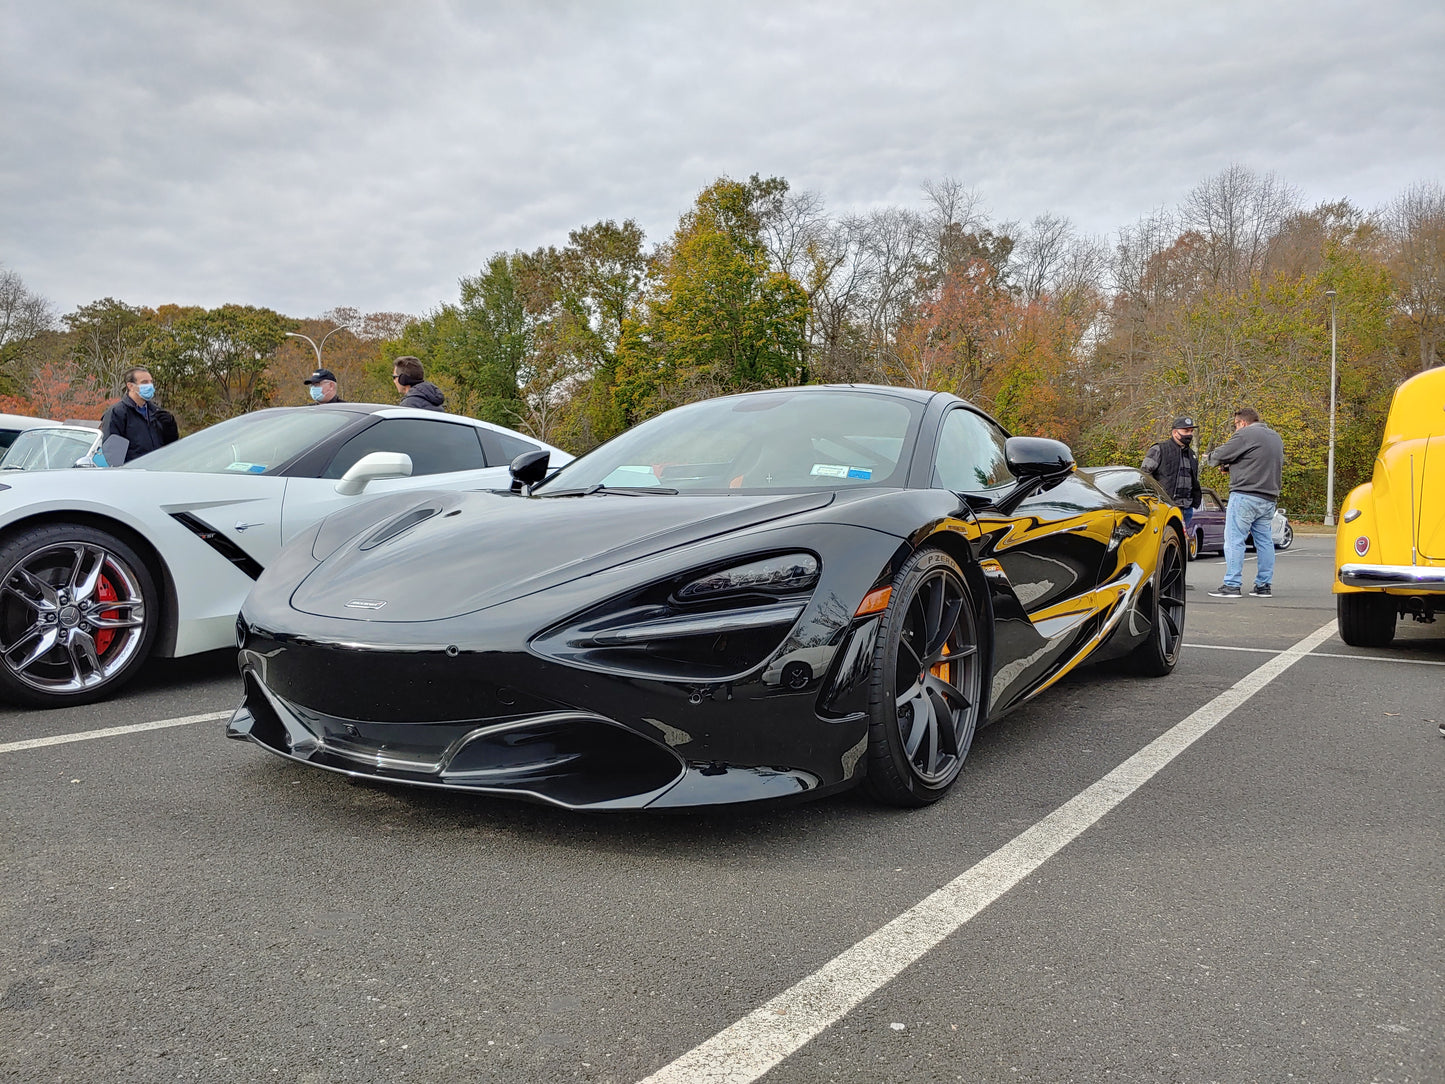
x,y
59,390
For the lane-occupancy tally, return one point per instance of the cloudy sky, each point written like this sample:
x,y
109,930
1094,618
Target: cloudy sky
x,y
306,155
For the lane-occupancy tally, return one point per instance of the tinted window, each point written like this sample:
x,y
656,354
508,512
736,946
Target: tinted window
x,y
511,446
435,447
970,454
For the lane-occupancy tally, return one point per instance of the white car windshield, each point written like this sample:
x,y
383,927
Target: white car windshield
x,y
788,439
251,444
48,449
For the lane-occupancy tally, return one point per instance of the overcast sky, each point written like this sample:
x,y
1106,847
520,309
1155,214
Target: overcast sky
x,y
303,156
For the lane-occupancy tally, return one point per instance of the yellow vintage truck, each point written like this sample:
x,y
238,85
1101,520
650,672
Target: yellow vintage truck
x,y
1390,546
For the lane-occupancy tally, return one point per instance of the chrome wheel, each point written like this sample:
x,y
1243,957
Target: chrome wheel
x,y
928,683
73,614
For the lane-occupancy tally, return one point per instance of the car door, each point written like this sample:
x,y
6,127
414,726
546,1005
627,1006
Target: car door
x,y
1050,548
445,453
1213,523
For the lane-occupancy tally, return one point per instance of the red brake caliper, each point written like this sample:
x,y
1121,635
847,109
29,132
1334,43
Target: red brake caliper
x,y
105,593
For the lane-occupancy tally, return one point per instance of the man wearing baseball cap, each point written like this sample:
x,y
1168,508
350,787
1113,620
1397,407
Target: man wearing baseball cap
x,y
323,387
1175,466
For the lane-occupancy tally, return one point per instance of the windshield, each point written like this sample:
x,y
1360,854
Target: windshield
x,y
251,444
791,439
48,449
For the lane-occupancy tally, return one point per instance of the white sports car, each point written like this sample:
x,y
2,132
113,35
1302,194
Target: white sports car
x,y
99,569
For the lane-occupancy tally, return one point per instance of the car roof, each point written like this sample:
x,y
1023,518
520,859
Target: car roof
x,y
917,395
24,421
385,410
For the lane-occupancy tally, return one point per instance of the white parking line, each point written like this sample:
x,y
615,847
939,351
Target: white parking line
x,y
1318,654
749,1048
112,731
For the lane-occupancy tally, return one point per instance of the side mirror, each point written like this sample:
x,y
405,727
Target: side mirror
x,y
372,467
1038,457
529,468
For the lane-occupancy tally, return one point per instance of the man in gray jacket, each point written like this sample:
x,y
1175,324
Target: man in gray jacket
x,y
1254,459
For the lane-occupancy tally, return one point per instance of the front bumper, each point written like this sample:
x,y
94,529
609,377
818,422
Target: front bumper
x,y
1416,579
571,759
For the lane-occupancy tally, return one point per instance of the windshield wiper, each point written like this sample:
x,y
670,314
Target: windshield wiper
x,y
598,487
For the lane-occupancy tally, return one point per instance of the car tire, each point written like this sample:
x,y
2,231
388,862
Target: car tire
x,y
1286,538
1159,654
78,614
1365,620
1196,543
926,692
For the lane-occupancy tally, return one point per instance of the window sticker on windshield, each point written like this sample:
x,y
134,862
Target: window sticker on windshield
x,y
834,470
248,468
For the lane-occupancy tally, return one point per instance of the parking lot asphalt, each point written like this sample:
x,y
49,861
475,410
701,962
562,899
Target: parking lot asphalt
x,y
1264,906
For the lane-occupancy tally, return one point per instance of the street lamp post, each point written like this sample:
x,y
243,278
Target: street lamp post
x,y
1330,463
314,345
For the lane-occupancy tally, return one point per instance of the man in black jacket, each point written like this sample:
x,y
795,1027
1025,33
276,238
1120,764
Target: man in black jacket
x,y
324,387
1175,466
144,425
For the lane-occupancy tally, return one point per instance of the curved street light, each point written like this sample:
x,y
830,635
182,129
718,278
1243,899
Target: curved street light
x,y
314,345
1330,466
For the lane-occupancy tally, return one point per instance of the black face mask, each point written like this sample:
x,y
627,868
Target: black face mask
x,y
1186,440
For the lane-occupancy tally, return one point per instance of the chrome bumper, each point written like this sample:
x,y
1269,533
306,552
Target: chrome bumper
x,y
1425,579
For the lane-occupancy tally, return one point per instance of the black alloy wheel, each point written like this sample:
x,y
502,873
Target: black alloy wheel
x,y
926,693
1159,654
1365,619
78,614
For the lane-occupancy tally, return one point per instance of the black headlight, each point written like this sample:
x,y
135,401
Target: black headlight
x,y
697,626
785,574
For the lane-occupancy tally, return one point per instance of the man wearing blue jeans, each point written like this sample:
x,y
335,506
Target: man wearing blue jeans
x,y
1254,459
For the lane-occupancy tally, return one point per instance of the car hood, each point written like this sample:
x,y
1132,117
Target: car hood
x,y
453,553
1416,465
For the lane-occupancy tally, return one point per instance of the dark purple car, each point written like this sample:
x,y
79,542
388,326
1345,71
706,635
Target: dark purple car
x,y
1206,529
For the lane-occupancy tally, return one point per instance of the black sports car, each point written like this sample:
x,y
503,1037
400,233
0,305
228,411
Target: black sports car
x,y
780,593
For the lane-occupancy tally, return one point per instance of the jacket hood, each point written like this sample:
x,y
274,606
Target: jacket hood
x,y
450,554
427,392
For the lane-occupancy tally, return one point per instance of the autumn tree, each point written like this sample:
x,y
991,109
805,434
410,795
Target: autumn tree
x,y
719,319
107,337
1416,222
214,364
24,318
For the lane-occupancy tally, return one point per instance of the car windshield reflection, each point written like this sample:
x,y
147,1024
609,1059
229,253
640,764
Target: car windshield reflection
x,y
784,440
250,444
49,449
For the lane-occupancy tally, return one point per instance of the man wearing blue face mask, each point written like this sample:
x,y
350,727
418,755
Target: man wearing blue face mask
x,y
324,388
137,418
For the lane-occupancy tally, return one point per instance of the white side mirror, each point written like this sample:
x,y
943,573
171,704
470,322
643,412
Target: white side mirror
x,y
371,467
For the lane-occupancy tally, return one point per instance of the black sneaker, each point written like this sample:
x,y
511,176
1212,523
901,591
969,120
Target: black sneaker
x,y
1226,591
1261,590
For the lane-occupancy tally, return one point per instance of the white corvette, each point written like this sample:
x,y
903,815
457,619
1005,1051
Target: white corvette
x,y
99,569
